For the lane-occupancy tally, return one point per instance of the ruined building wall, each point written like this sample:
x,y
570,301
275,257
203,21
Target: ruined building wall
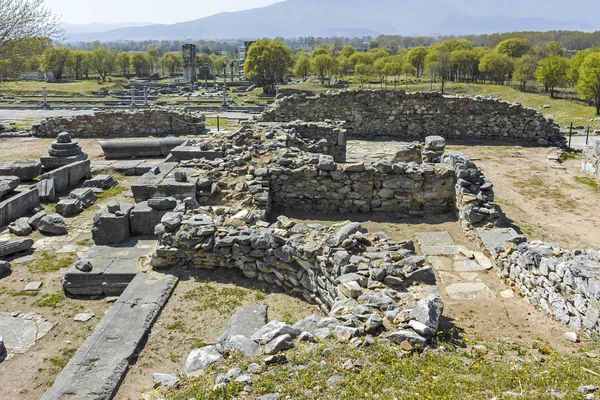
x,y
370,113
591,158
189,63
153,121
318,137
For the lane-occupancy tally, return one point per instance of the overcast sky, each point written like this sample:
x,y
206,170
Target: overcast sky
x,y
167,12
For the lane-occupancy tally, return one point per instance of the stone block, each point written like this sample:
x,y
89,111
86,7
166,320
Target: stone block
x,y
47,190
18,206
53,224
69,207
8,184
103,182
25,170
144,219
112,228
86,196
20,227
69,175
15,246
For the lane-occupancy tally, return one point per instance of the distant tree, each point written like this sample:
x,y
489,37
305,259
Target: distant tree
x,y
323,65
514,47
322,49
77,63
373,44
204,63
589,79
22,55
496,66
172,62
123,62
103,62
364,72
553,49
267,62
464,62
302,65
381,69
141,63
457,44
56,59
345,65
552,72
439,64
22,19
347,51
362,58
525,68
154,57
416,57
574,66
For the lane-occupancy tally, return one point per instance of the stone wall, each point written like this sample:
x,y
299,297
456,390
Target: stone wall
x,y
318,137
370,113
591,158
352,188
156,121
564,283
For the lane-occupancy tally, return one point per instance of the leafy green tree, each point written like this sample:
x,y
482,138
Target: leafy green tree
x,y
345,65
457,44
416,56
154,57
204,65
77,62
56,59
575,65
323,65
103,62
267,62
439,64
172,62
496,66
21,55
514,47
123,62
525,68
347,51
363,71
321,50
552,72
141,63
464,62
302,65
589,79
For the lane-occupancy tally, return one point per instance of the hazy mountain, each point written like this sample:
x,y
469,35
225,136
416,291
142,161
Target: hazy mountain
x,y
293,18
100,27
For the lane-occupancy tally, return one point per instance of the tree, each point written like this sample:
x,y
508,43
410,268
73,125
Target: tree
x,y
416,57
204,65
302,66
55,59
21,55
439,64
347,51
380,68
323,65
574,66
154,57
103,62
589,79
363,71
498,67
141,63
22,19
457,44
171,62
267,62
123,62
514,47
78,60
525,68
552,72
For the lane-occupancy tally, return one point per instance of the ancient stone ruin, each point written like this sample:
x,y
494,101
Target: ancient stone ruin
x,y
189,63
591,158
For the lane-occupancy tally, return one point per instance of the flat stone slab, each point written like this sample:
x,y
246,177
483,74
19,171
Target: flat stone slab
x,y
434,239
469,266
462,291
441,263
20,331
98,367
440,250
494,240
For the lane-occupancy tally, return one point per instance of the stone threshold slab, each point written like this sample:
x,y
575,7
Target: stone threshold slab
x,y
100,364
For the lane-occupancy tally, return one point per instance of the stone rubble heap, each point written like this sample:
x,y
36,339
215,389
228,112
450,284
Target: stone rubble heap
x,y
63,151
564,283
145,122
349,273
372,113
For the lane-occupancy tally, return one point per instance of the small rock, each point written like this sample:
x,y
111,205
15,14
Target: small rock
x,y
83,317
84,265
334,380
20,227
166,380
572,336
200,359
278,344
33,286
53,224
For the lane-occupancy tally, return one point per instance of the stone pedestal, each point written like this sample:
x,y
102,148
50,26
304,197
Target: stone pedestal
x,y
63,151
111,224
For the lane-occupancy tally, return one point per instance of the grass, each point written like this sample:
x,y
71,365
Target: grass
x,y
207,296
59,362
49,262
223,124
112,192
383,372
51,300
73,88
23,293
589,182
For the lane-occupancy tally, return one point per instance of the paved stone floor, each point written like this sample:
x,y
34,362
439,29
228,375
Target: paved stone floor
x,y
20,331
372,150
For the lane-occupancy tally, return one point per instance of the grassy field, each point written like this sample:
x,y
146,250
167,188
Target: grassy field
x,y
75,88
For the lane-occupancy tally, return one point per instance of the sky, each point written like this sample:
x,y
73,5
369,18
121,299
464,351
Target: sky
x,y
145,11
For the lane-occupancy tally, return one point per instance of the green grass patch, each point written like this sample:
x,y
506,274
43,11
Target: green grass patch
x,y
49,262
589,182
85,242
51,300
72,88
23,293
207,296
112,192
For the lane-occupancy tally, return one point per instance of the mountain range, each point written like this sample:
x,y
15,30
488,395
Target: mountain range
x,y
358,18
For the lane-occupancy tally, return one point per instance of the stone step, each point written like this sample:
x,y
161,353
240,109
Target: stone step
x,y
100,364
469,290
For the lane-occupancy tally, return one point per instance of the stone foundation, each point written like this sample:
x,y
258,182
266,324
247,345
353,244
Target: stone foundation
x,y
371,113
154,121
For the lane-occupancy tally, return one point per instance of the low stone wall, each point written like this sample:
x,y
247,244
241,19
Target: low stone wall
x,y
370,113
564,283
18,206
318,137
69,175
591,158
153,121
353,188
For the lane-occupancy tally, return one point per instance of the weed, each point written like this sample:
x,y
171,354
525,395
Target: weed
x,y
49,262
50,300
177,326
174,358
85,242
17,293
589,182
223,300
112,192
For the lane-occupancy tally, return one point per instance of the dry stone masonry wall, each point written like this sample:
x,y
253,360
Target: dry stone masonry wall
x,y
154,121
371,113
591,158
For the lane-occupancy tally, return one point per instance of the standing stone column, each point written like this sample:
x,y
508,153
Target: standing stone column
x,y
189,63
